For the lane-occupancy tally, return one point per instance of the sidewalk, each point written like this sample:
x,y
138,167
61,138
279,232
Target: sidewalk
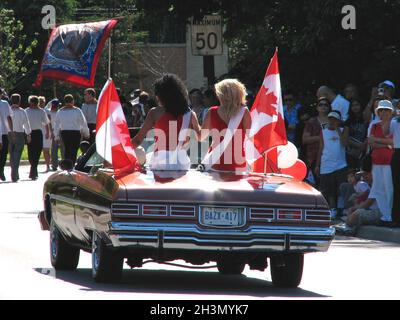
x,y
374,233
379,233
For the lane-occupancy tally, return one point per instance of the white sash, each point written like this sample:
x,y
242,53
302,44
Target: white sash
x,y
212,157
174,159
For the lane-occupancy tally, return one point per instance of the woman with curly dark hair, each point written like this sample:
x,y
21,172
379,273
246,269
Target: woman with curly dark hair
x,y
170,121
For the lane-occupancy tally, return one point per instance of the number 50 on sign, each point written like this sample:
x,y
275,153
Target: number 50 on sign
x,y
207,36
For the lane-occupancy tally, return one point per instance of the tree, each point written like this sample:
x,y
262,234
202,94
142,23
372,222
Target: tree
x,y
15,50
30,15
314,49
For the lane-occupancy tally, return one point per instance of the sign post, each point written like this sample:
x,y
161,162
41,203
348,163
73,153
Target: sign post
x,y
206,35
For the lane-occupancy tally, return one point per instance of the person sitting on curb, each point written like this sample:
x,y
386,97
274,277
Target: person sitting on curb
x,y
366,213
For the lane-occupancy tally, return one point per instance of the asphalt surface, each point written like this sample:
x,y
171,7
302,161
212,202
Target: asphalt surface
x,y
353,268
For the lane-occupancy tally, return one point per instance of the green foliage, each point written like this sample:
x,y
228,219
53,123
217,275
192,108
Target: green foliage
x,y
313,47
29,14
15,50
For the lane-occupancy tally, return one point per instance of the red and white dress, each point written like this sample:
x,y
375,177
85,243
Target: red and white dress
x,y
227,152
382,183
170,135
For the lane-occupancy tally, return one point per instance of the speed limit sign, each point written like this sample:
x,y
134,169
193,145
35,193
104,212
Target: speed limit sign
x,y
207,36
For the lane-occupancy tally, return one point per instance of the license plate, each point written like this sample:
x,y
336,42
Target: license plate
x,y
223,217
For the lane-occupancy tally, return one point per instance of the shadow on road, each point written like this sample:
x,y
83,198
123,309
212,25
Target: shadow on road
x,y
183,282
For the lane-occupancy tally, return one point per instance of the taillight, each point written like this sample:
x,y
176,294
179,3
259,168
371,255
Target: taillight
x,y
182,211
154,210
318,215
124,209
294,215
262,214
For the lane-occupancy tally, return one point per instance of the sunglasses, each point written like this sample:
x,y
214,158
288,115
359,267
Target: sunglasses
x,y
323,105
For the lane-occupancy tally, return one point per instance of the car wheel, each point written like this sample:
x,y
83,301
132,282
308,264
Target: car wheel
x,y
63,255
107,265
229,267
287,270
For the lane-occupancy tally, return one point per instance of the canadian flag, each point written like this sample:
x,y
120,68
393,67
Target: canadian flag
x,y
113,141
268,125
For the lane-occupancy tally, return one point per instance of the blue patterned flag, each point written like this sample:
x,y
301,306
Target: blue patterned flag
x,y
73,52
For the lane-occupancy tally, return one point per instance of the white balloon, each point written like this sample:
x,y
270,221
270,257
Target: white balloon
x,y
287,155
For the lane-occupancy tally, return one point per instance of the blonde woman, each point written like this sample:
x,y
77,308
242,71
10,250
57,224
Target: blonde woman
x,y
227,124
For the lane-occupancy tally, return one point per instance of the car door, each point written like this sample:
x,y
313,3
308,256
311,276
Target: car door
x,y
63,203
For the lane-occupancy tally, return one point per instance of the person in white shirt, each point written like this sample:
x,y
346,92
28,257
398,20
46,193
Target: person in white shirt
x,y
46,142
37,119
70,126
51,112
89,109
331,160
6,123
20,128
338,102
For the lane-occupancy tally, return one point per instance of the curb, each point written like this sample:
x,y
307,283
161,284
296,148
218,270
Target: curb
x,y
379,234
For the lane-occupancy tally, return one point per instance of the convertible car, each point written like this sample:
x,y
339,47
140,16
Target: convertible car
x,y
199,217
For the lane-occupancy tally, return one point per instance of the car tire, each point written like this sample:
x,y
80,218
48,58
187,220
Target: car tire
x,y
63,256
107,265
287,270
230,267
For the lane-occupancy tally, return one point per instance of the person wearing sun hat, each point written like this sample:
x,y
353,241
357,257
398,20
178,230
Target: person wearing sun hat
x,y
331,160
382,151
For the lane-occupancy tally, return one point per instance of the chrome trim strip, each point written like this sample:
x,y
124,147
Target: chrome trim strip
x,y
232,204
192,237
194,243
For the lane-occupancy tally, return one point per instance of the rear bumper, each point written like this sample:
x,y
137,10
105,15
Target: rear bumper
x,y
191,237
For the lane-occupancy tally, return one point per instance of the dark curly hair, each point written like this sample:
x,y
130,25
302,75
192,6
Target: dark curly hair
x,y
172,93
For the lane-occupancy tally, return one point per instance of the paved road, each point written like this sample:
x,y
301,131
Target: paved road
x,y
351,269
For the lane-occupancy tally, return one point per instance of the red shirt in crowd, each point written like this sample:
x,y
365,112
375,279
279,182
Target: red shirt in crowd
x,y
380,156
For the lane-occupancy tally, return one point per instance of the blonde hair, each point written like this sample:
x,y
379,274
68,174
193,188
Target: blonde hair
x,y
231,94
42,99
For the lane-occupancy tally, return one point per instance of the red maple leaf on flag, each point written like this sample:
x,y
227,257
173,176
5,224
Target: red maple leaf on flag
x,y
113,141
268,125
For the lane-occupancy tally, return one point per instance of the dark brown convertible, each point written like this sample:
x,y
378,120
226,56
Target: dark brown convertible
x,y
194,216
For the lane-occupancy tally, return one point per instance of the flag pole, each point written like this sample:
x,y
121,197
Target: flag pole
x,y
265,163
109,57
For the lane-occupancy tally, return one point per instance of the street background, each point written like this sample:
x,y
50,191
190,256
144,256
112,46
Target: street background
x,y
353,268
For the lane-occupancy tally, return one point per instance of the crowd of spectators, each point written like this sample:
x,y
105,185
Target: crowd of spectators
x,y
351,149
